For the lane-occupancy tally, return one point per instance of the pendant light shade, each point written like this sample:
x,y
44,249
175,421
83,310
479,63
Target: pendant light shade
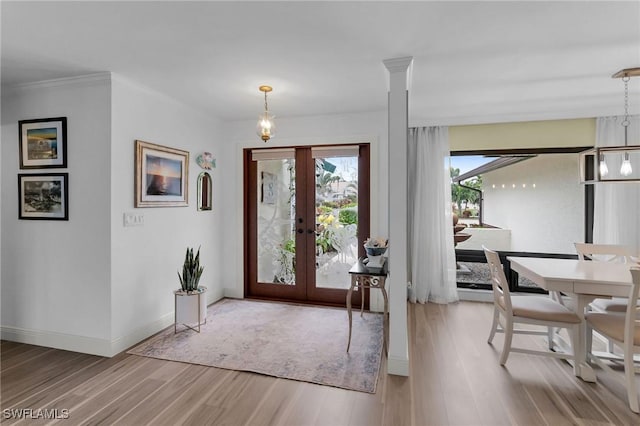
x,y
266,127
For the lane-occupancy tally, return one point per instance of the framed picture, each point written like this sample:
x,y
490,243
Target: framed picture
x,y
43,143
269,189
162,176
43,196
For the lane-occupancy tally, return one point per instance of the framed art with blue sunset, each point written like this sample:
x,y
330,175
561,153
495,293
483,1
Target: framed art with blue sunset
x,y
162,176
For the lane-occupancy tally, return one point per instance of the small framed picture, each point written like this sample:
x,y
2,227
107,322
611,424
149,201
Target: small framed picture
x,y
162,176
43,196
43,143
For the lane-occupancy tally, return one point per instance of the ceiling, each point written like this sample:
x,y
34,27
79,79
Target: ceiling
x,y
474,62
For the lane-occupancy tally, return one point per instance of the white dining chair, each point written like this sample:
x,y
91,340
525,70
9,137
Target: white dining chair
x,y
537,310
606,253
624,330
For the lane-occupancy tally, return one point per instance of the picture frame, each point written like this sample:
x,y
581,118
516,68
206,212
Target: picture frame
x,y
269,188
43,143
43,196
162,176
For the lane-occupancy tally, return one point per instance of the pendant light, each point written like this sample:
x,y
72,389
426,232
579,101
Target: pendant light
x,y
266,127
625,168
593,163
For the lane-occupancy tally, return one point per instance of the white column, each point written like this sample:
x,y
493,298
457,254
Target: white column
x,y
398,357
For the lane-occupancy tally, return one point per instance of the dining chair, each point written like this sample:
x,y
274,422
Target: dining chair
x,y
606,253
624,330
537,310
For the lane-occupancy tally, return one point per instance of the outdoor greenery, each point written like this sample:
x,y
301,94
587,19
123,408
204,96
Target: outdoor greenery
x,y
464,196
336,220
324,181
348,216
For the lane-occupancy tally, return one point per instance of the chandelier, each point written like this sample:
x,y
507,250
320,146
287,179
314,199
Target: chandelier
x,y
266,127
620,163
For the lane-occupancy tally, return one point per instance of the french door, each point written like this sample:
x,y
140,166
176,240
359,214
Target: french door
x,y
306,218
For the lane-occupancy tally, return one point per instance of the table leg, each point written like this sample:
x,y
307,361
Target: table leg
x,y
362,288
385,320
581,367
353,284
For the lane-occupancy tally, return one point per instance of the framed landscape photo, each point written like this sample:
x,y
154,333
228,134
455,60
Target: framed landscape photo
x,y
43,143
43,196
162,176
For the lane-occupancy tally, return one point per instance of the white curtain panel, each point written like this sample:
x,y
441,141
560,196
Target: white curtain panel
x,y
431,252
616,213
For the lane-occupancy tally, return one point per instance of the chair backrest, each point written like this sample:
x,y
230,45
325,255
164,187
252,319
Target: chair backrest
x,y
499,283
631,317
604,252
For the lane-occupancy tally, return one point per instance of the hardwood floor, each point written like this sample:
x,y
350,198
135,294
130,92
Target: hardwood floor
x,y
455,380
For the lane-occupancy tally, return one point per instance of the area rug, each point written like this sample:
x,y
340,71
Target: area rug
x,y
282,340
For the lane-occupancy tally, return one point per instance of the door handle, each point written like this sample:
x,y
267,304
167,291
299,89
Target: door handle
x,y
300,230
310,231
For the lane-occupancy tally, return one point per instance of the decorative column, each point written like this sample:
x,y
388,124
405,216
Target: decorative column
x,y
398,356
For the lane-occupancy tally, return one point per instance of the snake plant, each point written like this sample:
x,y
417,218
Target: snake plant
x,y
191,271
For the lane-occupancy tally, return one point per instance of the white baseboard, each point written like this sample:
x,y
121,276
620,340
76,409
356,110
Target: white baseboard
x,y
68,342
475,295
122,343
233,293
90,345
398,366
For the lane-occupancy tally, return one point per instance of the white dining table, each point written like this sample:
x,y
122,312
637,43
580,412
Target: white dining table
x,y
581,280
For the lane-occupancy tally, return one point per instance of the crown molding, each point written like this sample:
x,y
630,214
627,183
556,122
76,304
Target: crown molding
x,y
64,81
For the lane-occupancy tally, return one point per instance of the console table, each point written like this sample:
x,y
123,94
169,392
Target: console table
x,y
361,278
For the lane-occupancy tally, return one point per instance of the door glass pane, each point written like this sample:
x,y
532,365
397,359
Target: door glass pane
x,y
276,214
336,220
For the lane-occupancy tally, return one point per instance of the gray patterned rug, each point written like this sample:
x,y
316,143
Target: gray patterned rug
x,y
282,340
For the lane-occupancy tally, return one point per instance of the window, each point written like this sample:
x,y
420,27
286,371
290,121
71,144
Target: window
x,y
520,202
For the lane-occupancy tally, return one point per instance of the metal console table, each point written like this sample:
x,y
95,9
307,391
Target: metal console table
x,y
361,278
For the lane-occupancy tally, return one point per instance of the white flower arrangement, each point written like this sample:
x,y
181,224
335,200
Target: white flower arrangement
x,y
375,248
376,242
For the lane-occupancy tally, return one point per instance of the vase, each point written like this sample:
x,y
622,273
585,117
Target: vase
x,y
375,256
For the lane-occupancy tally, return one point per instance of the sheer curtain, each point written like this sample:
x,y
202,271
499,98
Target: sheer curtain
x,y
431,253
616,206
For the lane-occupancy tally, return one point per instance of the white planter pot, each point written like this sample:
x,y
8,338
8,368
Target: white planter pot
x,y
191,308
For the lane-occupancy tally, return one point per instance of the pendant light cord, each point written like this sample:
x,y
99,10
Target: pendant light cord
x,y
625,122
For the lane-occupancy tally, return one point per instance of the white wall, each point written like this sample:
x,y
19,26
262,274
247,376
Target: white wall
x,y
90,284
548,218
145,259
56,276
332,129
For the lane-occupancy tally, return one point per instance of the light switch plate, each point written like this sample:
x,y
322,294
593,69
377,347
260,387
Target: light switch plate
x,y
133,219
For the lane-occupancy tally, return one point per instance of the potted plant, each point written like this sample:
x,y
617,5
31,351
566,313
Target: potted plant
x,y
375,249
190,299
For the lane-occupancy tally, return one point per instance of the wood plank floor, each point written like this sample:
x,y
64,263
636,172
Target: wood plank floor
x,y
455,380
